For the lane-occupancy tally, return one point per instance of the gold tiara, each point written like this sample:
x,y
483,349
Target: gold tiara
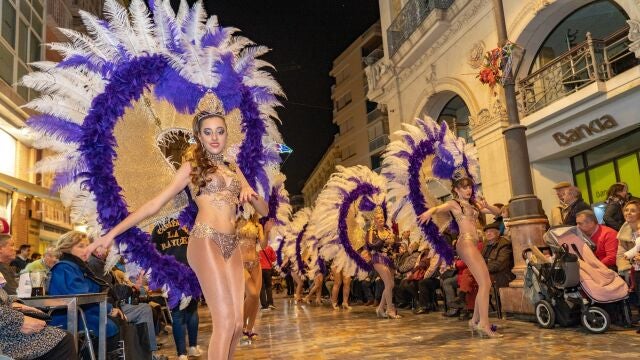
x,y
209,106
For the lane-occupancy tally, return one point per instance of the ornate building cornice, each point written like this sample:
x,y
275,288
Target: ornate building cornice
x,y
461,18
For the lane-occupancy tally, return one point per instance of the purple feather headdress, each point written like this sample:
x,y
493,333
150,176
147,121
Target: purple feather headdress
x,y
129,63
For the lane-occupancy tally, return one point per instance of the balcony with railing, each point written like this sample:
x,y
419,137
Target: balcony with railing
x,y
373,56
378,143
409,19
586,63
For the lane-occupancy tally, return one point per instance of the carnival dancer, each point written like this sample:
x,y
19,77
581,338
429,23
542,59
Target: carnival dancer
x,y
296,250
219,187
337,224
465,211
317,273
381,243
429,157
251,234
141,79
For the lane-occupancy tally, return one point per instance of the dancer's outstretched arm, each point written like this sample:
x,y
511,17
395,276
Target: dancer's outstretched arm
x,y
179,182
426,216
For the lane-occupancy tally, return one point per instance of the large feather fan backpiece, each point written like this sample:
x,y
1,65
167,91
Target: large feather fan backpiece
x,y
138,76
337,221
425,153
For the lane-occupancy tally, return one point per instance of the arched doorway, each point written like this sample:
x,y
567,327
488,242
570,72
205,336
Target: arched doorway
x,y
456,114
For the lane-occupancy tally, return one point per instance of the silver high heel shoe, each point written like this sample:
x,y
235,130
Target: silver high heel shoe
x,y
381,314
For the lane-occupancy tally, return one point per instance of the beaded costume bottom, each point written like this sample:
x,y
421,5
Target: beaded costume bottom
x,y
226,242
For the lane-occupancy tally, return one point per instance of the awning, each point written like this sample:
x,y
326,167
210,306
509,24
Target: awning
x,y
25,187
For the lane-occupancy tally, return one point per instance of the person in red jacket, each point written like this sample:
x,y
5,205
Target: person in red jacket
x,y
267,257
604,237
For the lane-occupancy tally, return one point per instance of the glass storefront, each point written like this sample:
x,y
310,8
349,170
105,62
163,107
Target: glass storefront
x,y
595,170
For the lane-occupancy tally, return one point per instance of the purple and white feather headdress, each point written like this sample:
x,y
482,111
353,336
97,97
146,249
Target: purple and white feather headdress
x,y
337,221
135,80
426,158
296,241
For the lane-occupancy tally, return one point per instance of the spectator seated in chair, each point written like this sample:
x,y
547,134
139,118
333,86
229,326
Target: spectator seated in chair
x,y
72,276
134,311
498,254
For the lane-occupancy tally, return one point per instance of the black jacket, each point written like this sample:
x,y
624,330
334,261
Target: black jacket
x,y
570,212
499,259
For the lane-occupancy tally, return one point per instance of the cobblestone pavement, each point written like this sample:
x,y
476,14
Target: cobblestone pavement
x,y
319,332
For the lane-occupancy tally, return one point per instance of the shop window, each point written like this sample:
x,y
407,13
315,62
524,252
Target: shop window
x,y
601,178
34,45
600,18
456,114
599,168
9,23
6,64
23,41
581,183
5,205
628,170
8,151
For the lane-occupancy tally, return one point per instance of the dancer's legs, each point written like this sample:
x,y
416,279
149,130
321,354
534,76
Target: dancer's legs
x,y
316,288
387,279
236,286
337,281
253,285
222,284
469,253
346,289
299,285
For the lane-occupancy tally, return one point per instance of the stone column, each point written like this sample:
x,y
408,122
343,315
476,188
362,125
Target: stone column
x,y
524,234
527,218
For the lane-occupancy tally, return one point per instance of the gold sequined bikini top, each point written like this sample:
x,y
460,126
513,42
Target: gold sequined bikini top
x,y
218,189
467,212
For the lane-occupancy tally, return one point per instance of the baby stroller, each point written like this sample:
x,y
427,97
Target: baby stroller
x,y
565,285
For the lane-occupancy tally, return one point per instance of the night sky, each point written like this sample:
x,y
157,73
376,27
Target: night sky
x,y
305,36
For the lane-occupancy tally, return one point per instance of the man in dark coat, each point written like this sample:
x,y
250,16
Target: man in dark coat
x,y
575,204
498,254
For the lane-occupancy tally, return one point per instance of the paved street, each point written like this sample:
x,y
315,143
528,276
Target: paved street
x,y
311,332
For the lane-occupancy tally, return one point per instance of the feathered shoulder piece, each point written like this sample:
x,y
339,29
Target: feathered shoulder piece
x,y
337,220
125,91
420,166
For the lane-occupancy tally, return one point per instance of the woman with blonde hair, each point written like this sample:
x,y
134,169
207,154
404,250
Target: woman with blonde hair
x,y
72,276
218,188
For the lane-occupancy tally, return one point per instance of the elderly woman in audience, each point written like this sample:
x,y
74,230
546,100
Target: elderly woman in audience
x,y
25,337
72,276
